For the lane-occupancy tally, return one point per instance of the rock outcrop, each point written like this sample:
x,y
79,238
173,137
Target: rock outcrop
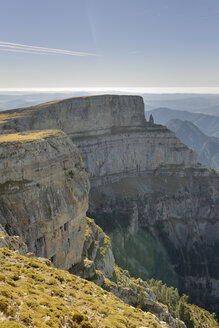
x,y
14,243
97,253
44,194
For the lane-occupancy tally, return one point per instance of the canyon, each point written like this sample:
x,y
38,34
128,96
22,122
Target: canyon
x,y
147,191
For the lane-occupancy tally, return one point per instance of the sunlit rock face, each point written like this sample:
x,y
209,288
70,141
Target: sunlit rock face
x,y
44,194
111,132
142,179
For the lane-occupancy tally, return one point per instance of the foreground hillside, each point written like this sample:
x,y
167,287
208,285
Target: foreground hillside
x,y
34,294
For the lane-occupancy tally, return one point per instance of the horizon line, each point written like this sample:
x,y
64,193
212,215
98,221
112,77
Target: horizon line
x,y
155,90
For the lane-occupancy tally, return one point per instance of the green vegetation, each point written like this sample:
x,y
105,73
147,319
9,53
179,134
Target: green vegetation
x,y
101,241
33,294
192,315
122,277
152,261
81,161
11,324
89,228
212,171
104,244
166,295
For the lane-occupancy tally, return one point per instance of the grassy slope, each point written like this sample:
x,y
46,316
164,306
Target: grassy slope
x,y
34,294
27,137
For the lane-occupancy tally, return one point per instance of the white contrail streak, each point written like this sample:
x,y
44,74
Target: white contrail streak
x,y
26,51
17,47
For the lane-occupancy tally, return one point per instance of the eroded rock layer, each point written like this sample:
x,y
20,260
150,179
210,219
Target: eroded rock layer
x,y
111,132
142,177
44,194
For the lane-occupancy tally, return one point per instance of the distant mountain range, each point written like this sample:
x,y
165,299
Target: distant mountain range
x,y
208,124
198,131
206,147
197,103
19,99
203,103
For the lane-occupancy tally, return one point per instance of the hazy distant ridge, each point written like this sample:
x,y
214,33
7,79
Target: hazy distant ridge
x,y
208,124
206,147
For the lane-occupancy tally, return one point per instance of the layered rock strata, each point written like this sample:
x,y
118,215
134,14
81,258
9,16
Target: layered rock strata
x,y
44,194
110,131
142,177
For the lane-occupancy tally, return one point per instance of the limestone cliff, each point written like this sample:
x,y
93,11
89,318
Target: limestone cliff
x,y
110,131
44,194
178,206
43,199
143,180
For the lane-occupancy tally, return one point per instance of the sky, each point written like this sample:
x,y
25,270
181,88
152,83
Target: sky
x,y
101,43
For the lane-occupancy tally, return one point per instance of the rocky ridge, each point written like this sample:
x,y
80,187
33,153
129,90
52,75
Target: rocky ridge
x,y
206,147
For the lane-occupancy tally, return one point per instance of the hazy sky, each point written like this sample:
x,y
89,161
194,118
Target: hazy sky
x,y
109,43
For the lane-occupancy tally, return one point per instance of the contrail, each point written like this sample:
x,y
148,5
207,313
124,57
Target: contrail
x,y
17,47
26,51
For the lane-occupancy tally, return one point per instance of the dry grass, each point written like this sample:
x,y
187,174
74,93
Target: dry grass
x,y
29,137
5,117
34,294
63,100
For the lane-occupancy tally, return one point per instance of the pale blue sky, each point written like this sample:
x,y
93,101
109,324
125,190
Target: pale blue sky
x,y
124,43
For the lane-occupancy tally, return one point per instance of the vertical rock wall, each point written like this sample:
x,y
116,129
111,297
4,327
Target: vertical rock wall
x,y
44,194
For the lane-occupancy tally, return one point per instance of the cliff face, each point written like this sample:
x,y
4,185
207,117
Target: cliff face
x,y
110,131
143,180
80,116
44,194
178,206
